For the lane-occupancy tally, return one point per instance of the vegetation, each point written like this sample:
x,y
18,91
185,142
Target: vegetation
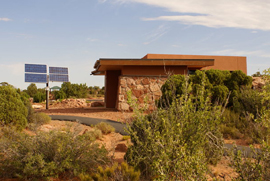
x,y
95,91
32,90
219,84
177,141
73,90
94,134
13,112
48,154
105,128
38,95
255,166
117,172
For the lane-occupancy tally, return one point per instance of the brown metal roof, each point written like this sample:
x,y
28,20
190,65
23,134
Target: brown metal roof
x,y
103,64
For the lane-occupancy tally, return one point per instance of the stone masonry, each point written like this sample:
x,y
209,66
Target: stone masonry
x,y
144,90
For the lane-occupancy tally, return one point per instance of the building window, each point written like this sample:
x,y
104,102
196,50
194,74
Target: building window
x,y
191,72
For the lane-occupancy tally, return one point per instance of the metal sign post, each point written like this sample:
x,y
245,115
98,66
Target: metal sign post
x,y
36,73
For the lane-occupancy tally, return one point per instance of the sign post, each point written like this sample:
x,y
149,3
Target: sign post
x,y
37,73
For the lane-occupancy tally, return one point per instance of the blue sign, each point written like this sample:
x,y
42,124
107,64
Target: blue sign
x,y
36,78
35,68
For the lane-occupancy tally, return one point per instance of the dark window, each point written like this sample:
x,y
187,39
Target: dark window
x,y
191,72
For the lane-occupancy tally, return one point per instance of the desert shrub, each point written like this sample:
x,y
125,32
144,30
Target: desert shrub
x,y
32,90
230,132
25,98
94,134
257,165
39,97
12,108
59,94
252,166
126,137
117,172
250,101
177,142
232,125
48,154
217,77
74,90
237,80
38,119
220,93
105,128
217,83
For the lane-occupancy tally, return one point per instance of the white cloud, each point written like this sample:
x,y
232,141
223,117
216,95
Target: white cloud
x,y
247,14
156,34
5,19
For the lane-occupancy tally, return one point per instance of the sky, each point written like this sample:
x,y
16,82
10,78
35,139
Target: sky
x,y
76,33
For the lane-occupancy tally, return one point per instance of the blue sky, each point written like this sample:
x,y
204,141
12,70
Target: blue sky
x,y
75,33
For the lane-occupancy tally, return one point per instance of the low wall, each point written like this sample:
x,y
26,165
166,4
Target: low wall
x,y
144,89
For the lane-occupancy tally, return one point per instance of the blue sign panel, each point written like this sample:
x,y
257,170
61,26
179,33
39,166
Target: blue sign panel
x,y
58,78
37,78
35,68
58,70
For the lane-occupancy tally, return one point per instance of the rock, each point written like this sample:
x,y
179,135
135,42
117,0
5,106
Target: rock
x,y
257,82
137,93
97,104
139,87
121,147
37,106
124,107
130,81
145,81
158,93
154,87
121,98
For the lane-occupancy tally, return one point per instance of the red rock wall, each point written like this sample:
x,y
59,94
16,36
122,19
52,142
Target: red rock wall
x,y
144,89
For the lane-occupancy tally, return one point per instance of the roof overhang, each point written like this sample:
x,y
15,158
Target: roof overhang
x,y
102,65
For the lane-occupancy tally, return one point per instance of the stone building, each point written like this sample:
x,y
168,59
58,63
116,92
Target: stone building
x,y
144,77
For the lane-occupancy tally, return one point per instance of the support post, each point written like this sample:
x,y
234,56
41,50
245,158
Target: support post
x,y
47,95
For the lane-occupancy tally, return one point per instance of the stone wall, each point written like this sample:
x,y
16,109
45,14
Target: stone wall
x,y
144,89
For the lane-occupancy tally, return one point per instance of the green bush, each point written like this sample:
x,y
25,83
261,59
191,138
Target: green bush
x,y
74,90
32,90
94,134
177,142
12,109
117,172
220,93
39,97
38,119
48,154
105,128
59,94
254,166
250,101
216,82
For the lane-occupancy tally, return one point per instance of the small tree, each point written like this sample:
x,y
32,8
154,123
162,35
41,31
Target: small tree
x,y
32,90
